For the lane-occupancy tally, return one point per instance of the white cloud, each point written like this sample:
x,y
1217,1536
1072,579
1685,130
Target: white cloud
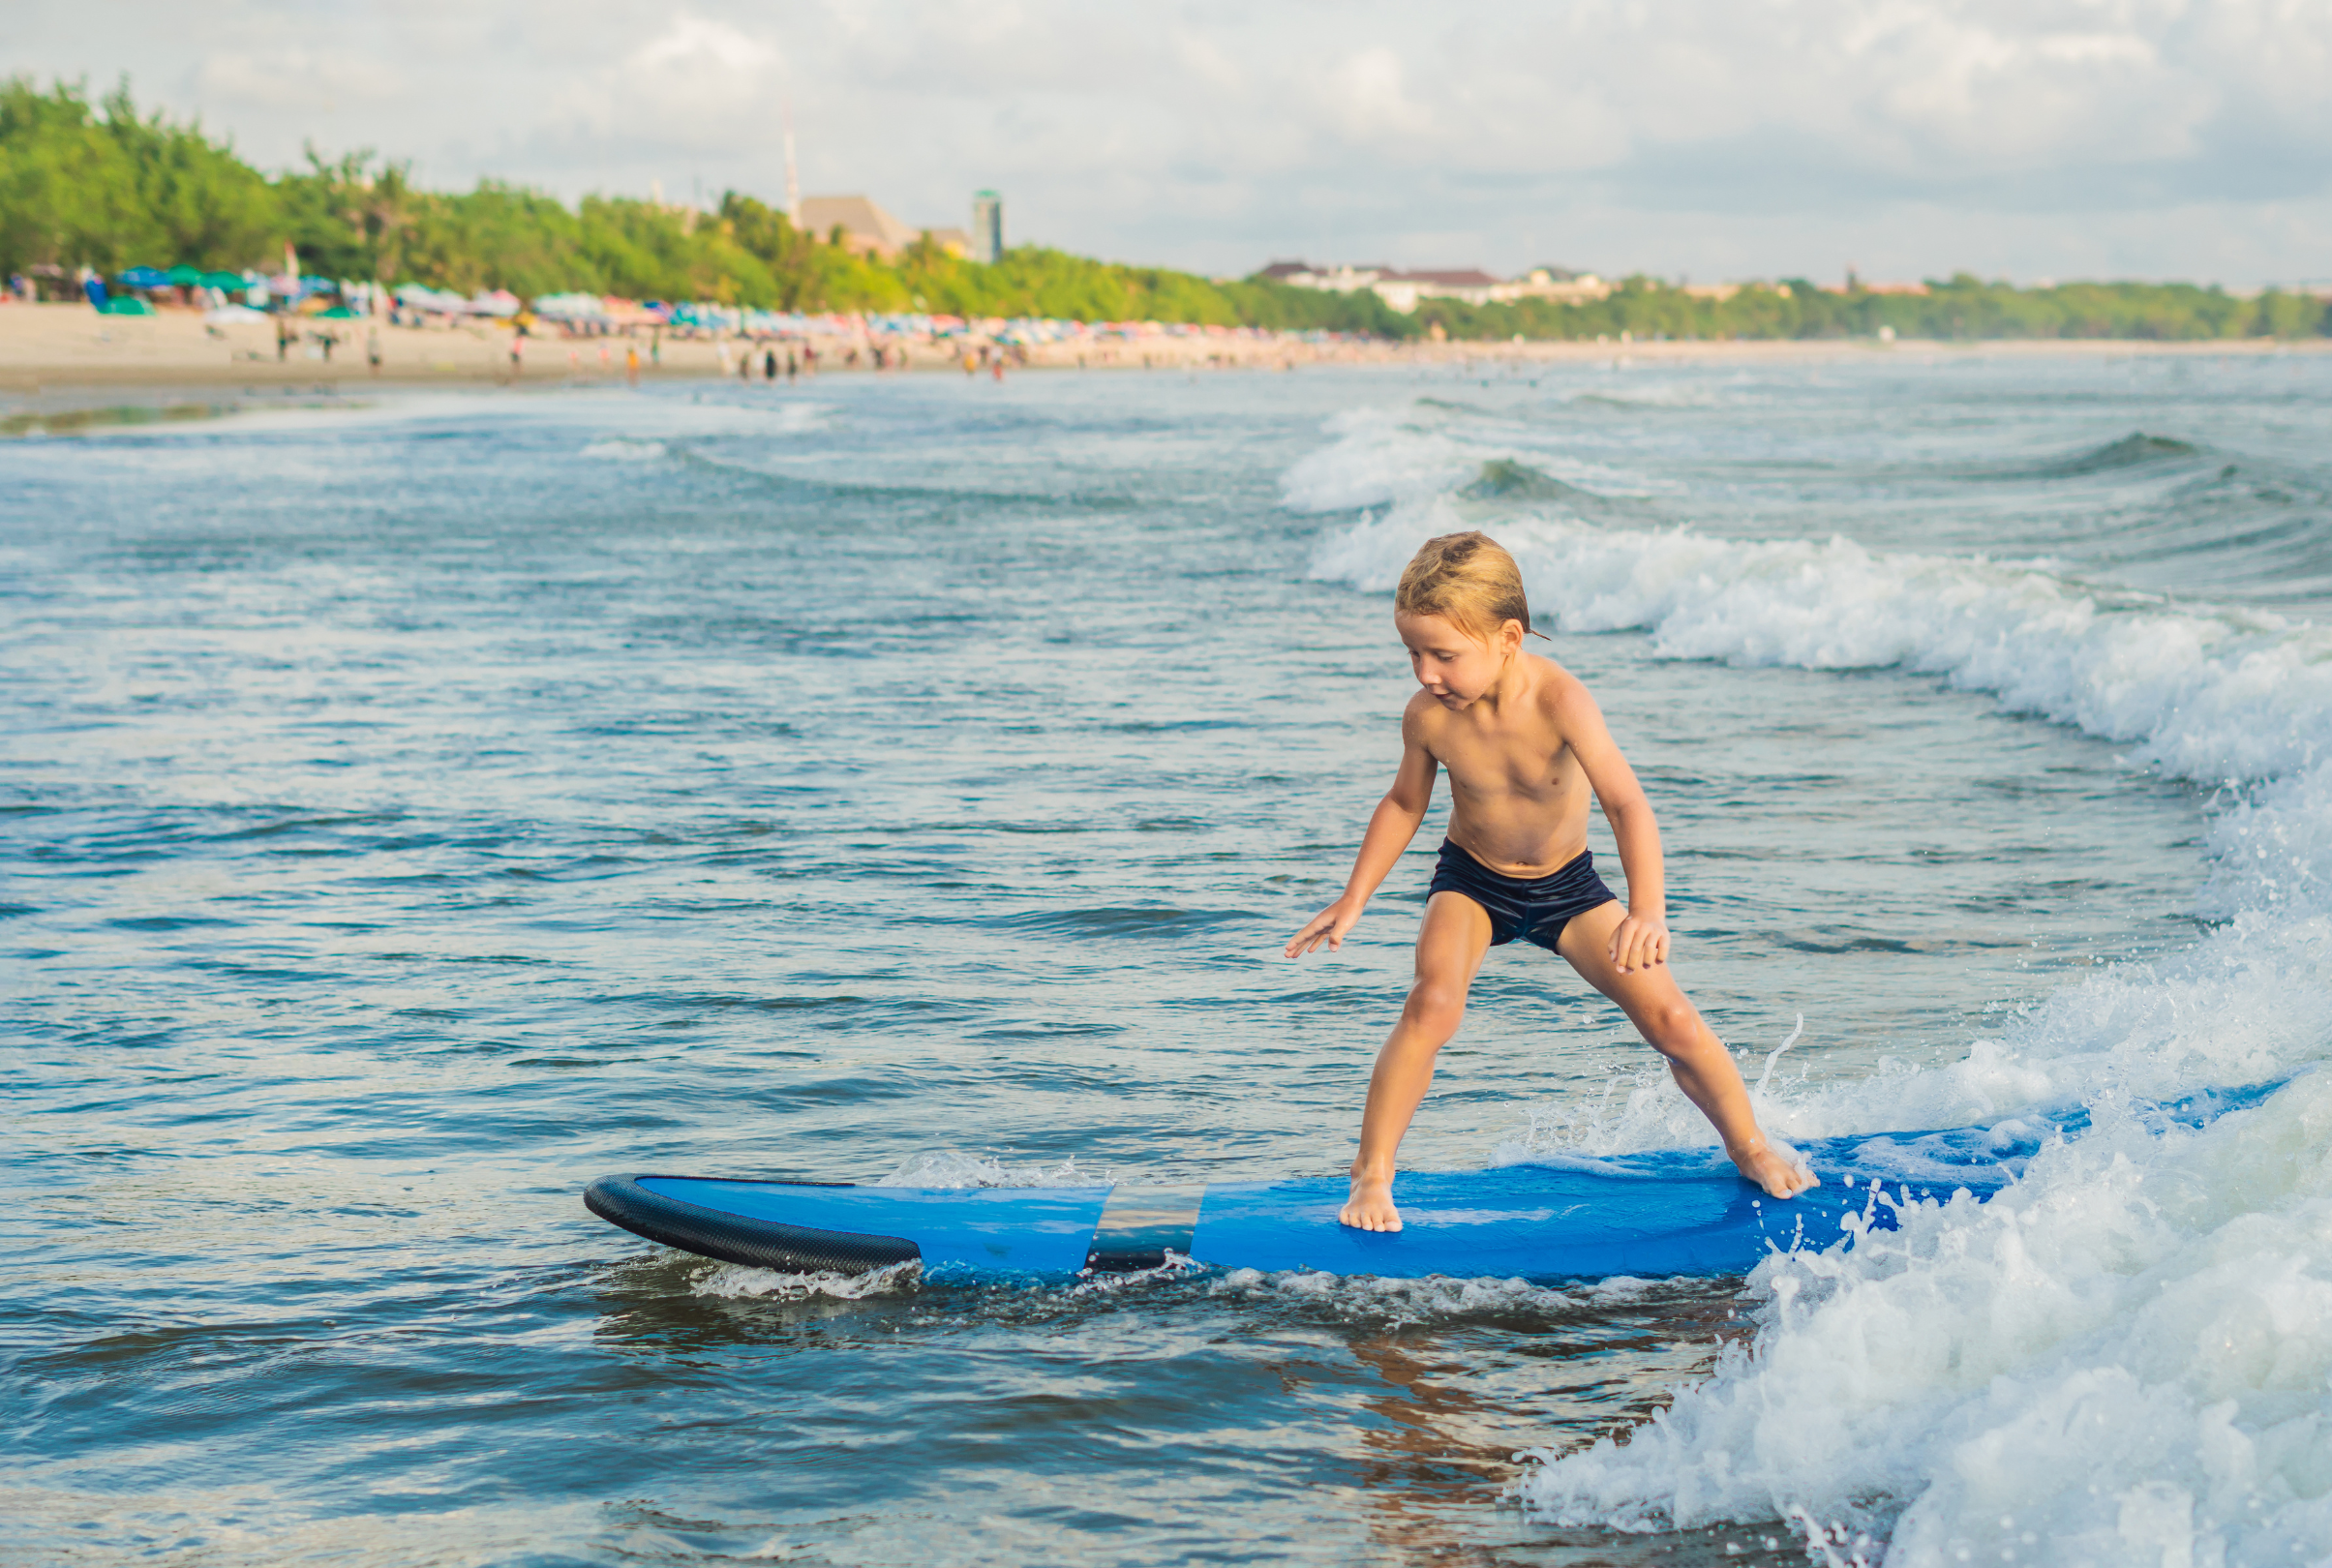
x,y
1365,98
692,44
696,85
295,79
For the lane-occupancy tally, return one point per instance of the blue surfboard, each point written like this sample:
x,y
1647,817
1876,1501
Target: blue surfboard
x,y
1646,1216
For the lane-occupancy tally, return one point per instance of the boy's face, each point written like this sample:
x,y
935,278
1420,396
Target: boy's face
x,y
1451,663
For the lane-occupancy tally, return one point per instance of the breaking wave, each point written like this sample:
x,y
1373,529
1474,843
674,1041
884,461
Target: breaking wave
x,y
2127,1356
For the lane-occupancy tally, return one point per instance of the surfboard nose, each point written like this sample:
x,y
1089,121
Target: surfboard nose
x,y
634,1203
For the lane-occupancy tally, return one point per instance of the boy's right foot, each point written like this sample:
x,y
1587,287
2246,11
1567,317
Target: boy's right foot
x,y
1370,1206
1777,1176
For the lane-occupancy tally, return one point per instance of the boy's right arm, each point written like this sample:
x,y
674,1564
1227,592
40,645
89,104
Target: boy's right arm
x,y
1391,826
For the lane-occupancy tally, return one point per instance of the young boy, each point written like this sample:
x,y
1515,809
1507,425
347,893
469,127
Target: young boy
x,y
1523,745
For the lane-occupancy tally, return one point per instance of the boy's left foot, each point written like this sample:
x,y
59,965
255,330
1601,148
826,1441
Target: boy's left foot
x,y
1777,1176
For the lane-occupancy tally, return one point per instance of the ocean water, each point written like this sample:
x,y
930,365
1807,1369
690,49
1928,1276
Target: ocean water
x,y
414,809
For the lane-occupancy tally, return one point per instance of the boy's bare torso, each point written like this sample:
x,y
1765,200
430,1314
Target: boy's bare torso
x,y
1518,795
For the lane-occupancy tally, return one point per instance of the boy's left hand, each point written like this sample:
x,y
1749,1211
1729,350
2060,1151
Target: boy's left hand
x,y
1639,941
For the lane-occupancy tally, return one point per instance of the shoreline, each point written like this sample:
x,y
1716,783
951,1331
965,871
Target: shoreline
x,y
68,350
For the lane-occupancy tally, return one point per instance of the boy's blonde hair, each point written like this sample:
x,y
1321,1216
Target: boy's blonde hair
x,y
1466,579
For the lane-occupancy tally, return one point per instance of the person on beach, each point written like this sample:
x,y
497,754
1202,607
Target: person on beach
x,y
1525,746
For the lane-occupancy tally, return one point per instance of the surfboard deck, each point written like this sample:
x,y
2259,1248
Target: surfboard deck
x,y
1646,1216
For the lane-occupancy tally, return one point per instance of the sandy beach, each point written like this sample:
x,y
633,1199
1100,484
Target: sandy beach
x,y
46,349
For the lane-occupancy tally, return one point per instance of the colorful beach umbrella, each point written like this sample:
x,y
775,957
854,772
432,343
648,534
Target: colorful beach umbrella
x,y
146,278
183,276
222,280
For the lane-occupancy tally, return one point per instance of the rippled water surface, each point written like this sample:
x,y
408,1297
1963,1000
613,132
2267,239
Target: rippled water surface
x,y
412,812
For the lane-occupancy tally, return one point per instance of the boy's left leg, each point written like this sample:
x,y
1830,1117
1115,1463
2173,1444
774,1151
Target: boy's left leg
x,y
1702,1065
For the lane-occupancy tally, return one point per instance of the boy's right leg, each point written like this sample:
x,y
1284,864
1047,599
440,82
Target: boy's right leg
x,y
1450,945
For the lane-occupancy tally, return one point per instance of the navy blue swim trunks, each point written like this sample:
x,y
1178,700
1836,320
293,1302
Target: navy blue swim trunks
x,y
1535,908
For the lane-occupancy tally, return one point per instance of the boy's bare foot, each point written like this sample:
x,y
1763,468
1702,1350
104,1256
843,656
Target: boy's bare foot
x,y
1370,1206
1777,1176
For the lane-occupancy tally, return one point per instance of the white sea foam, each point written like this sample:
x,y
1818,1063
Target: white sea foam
x,y
615,449
953,1167
1434,1299
2126,1358
739,1280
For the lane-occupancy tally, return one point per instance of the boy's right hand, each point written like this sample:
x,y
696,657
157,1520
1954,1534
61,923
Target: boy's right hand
x,y
1329,925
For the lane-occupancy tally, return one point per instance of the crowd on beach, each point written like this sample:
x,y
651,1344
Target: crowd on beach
x,y
319,313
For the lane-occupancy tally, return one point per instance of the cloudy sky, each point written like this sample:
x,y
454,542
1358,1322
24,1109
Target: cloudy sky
x,y
1706,138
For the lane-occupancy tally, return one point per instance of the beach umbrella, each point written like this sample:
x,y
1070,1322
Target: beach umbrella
x,y
146,278
183,276
567,307
223,280
338,313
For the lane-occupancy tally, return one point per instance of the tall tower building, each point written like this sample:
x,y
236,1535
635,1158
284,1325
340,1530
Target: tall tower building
x,y
987,226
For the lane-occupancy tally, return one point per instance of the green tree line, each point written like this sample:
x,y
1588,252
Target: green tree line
x,y
1960,306
97,184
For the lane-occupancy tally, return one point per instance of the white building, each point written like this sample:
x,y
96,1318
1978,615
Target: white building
x,y
1403,289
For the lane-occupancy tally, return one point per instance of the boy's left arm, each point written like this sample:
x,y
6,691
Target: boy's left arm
x,y
1641,940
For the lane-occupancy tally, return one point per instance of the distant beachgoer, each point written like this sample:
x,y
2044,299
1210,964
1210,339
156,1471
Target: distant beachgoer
x,y
792,369
655,349
809,359
744,365
518,355
969,364
631,363
372,347
768,364
282,337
